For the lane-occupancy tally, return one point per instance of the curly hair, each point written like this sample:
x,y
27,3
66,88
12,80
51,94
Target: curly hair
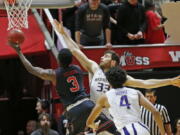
x,y
116,77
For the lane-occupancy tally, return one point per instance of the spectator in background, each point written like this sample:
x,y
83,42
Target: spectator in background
x,y
106,2
154,33
68,17
148,119
113,8
177,127
92,20
20,132
42,105
45,124
131,23
31,126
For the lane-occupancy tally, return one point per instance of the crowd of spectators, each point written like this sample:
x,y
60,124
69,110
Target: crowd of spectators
x,y
115,22
47,125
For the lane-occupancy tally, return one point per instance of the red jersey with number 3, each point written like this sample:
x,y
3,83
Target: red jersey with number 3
x,y
69,84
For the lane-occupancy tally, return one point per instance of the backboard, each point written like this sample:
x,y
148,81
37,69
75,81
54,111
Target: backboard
x,y
47,4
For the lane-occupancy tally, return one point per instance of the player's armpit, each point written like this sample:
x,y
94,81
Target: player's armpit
x,y
46,74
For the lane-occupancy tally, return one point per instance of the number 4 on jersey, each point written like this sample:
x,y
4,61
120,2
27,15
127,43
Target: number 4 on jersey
x,y
124,102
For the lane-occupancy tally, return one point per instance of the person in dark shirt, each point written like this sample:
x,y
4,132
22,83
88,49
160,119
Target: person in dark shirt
x,y
131,23
113,8
68,79
92,19
69,17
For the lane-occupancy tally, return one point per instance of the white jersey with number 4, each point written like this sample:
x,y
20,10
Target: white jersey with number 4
x,y
124,106
98,86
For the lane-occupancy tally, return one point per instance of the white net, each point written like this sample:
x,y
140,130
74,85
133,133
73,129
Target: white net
x,y
17,13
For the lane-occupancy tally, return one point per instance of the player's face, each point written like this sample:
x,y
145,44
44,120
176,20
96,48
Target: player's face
x,y
106,60
94,4
29,127
45,122
151,97
178,125
133,2
38,107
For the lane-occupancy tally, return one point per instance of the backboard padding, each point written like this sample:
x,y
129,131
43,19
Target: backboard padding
x,y
46,4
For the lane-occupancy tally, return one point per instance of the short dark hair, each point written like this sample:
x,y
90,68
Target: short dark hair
x,y
116,77
149,4
65,57
114,56
151,91
44,103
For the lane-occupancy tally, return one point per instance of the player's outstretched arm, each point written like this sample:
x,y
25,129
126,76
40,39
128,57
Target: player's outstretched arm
x,y
101,103
157,117
45,74
152,83
89,65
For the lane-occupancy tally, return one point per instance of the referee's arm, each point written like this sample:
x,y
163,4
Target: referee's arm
x,y
157,117
166,120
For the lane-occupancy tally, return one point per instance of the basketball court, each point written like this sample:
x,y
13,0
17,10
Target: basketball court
x,y
30,23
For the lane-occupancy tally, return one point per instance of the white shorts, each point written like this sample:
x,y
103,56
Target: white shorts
x,y
135,129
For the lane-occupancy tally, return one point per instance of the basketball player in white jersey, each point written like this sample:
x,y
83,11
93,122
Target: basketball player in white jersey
x,y
124,105
97,80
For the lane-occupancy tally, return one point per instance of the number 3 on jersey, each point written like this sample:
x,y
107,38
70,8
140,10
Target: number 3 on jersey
x,y
124,102
74,82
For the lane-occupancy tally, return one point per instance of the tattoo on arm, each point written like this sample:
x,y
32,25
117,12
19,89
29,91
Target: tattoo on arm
x,y
45,74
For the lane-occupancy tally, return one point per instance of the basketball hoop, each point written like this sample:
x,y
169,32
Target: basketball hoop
x,y
17,11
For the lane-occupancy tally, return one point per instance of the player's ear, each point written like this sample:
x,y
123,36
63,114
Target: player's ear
x,y
155,98
113,63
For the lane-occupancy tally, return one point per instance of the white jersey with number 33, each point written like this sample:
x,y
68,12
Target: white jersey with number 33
x,y
124,106
98,86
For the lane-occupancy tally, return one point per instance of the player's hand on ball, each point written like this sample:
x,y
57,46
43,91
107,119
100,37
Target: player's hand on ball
x,y
15,46
16,36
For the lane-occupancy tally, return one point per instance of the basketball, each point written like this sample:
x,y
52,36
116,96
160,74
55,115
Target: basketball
x,y
16,36
11,1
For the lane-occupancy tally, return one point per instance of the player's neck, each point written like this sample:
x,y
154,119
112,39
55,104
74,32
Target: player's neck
x,y
178,132
105,70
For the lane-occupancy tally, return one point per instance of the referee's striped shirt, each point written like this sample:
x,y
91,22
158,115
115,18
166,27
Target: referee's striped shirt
x,y
148,119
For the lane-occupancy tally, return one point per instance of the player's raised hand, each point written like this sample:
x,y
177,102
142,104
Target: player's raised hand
x,y
16,47
176,81
59,27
